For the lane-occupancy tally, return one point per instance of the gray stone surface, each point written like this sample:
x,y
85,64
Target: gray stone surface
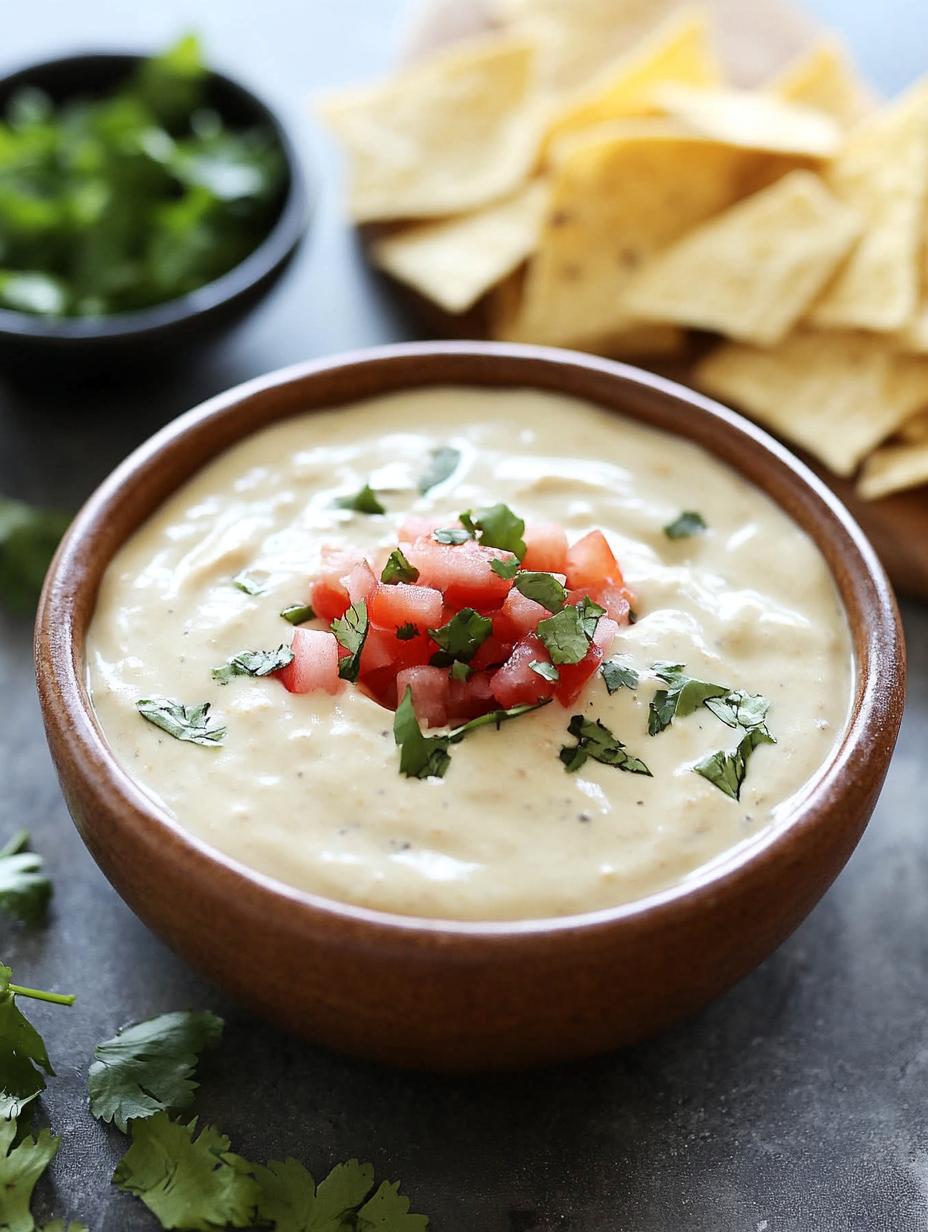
x,y
796,1103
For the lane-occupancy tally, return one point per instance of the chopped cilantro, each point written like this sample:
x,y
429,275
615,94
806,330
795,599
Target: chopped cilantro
x,y
463,634
20,1167
364,501
407,632
542,588
595,740
590,614
28,539
564,636
248,584
351,632
290,1200
740,709
452,536
188,723
148,1068
298,613
499,528
685,526
618,673
398,569
24,888
22,1050
727,770
505,568
547,671
683,697
254,663
443,462
460,670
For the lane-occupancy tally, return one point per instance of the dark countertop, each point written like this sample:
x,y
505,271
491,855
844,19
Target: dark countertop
x,y
795,1103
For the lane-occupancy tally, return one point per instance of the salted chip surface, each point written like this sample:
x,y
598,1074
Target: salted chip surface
x,y
837,394
450,134
824,77
882,172
751,272
456,261
894,468
755,120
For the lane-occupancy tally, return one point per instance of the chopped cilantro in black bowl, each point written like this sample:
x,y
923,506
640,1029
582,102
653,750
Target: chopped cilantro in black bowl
x,y
144,204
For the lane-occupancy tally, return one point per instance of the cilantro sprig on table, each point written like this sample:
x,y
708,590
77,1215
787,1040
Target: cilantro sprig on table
x,y
28,539
23,1055
24,888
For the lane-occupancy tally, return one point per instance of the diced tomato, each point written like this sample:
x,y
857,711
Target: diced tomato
x,y
616,600
546,547
381,685
591,562
605,633
462,572
518,616
314,665
430,691
492,652
573,676
400,604
415,526
359,582
329,598
468,699
382,648
515,683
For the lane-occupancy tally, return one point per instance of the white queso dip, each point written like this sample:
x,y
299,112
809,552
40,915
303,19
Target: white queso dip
x,y
306,787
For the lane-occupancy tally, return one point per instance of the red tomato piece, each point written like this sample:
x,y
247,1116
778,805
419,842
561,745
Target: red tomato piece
x,y
573,676
546,547
329,598
605,633
430,691
462,572
314,665
359,582
518,616
616,600
415,526
468,699
515,683
382,648
492,652
591,562
402,603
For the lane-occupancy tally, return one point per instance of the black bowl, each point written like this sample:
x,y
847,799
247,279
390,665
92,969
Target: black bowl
x,y
164,330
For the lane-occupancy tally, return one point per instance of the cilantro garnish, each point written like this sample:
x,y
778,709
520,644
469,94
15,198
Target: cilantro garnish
x,y
24,888
187,1181
499,528
254,663
595,740
148,1068
726,770
22,1050
398,569
686,525
20,1167
351,632
298,613
542,588
683,697
564,636
452,536
364,501
460,670
618,673
740,709
28,539
188,723
547,671
407,632
248,584
590,614
462,635
443,462
505,568
291,1201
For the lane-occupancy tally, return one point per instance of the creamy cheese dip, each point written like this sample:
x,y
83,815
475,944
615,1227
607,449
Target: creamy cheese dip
x,y
306,788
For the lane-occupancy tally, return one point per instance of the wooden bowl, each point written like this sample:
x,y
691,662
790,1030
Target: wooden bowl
x,y
438,993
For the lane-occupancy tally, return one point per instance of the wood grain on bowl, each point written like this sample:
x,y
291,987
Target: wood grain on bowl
x,y
436,993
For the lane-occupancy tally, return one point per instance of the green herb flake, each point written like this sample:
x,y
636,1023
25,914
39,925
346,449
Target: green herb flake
x,y
298,613
398,569
24,888
351,632
254,663
28,539
618,673
443,462
405,633
20,1168
188,723
460,670
595,740
364,501
686,525
461,637
451,536
290,1200
727,770
542,588
590,615
547,671
248,584
499,527
23,1055
564,636
682,698
505,568
740,709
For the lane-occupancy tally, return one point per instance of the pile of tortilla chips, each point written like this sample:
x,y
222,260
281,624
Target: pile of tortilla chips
x,y
585,176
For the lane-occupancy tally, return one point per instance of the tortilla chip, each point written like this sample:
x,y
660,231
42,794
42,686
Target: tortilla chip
x,y
754,120
616,201
825,78
882,172
913,338
915,429
680,52
455,261
838,395
753,271
643,341
450,134
894,468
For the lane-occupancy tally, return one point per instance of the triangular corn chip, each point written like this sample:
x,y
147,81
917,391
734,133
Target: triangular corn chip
x,y
757,121
894,468
752,271
825,78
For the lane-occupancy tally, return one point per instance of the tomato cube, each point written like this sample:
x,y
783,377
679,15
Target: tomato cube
x,y
546,547
359,582
314,665
402,603
468,699
430,691
518,616
493,652
515,683
591,562
574,676
382,648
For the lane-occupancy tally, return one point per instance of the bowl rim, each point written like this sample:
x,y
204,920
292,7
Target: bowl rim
x,y
278,242
878,686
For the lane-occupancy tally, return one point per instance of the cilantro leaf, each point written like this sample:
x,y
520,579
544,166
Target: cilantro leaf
x,y
24,888
20,1168
595,740
188,723
291,1201
460,670
542,588
364,501
28,539
443,462
245,582
618,673
387,1210
452,536
740,709
505,568
22,1050
187,1182
499,528
351,632
686,525
727,770
564,636
298,613
398,569
590,614
462,636
547,671
421,757
254,663
407,632
147,1068
684,696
